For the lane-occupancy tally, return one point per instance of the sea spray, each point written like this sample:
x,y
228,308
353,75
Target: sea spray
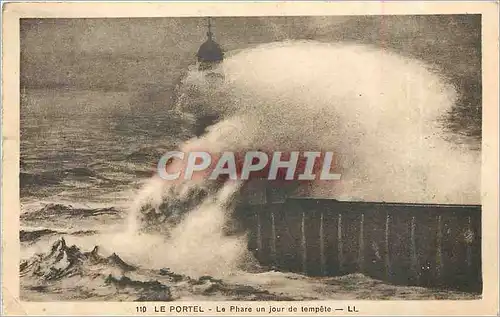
x,y
199,245
380,112
159,200
196,245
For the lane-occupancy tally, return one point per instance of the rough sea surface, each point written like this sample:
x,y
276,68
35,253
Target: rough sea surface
x,y
89,156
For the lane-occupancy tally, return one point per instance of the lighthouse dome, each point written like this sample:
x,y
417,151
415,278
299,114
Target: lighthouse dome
x,y
210,51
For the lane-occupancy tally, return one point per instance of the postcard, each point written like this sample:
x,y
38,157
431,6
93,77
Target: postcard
x,y
250,159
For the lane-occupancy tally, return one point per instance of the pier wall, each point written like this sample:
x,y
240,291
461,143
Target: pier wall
x,y
407,244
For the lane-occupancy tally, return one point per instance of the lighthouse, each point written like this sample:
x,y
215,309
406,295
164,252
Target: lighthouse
x,y
210,53
209,56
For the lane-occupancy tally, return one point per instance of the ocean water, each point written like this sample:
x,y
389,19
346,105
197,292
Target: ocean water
x,y
72,140
88,161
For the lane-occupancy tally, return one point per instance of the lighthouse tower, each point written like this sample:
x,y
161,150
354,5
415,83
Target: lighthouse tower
x,y
210,53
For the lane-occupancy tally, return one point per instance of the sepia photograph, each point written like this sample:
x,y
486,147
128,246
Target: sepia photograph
x,y
267,158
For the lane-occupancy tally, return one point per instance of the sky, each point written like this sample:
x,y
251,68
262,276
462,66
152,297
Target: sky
x,y
134,54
